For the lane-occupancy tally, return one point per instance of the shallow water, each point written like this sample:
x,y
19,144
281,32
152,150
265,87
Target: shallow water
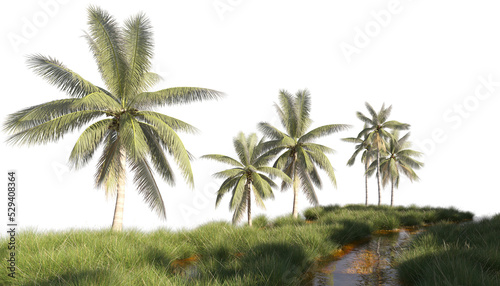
x,y
367,264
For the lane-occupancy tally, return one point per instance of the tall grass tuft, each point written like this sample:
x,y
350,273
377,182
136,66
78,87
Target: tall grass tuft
x,y
447,254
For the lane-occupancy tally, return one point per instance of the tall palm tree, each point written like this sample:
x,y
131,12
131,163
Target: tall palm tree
x,y
301,155
399,159
122,116
366,157
247,176
376,131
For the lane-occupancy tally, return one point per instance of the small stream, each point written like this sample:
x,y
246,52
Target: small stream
x,y
366,264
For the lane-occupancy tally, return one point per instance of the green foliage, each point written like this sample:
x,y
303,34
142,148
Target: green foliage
x,y
221,254
300,156
287,220
123,58
261,221
248,177
372,140
448,254
313,213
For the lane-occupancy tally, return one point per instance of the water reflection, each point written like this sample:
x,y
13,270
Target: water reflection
x,y
367,264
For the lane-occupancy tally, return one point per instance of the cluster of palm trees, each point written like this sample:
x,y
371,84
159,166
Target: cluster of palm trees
x,y
296,164
383,152
120,120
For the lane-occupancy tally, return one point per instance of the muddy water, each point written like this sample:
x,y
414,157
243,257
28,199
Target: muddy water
x,y
367,264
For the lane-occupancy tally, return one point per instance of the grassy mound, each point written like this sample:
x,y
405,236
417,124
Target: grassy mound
x,y
276,252
465,254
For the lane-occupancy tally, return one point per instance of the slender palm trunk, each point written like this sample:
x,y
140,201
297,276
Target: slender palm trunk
x,y
295,211
249,202
366,182
392,191
378,176
120,195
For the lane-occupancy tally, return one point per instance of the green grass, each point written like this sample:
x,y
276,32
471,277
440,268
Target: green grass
x,y
446,255
273,252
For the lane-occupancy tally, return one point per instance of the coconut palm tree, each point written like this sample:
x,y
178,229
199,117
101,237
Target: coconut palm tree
x,y
362,145
301,155
398,159
377,131
121,117
247,176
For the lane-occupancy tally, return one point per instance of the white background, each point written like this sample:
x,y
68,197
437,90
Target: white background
x,y
425,58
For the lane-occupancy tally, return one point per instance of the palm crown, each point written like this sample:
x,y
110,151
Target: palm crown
x,y
248,175
376,132
301,155
127,127
397,159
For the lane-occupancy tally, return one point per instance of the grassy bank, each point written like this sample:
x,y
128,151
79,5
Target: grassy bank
x,y
446,255
276,252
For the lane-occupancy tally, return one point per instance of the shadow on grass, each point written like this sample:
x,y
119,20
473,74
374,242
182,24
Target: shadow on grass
x,y
351,230
267,264
84,277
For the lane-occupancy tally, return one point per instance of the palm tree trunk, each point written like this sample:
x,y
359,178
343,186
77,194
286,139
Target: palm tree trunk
x,y
392,191
295,211
378,176
120,196
366,182
249,206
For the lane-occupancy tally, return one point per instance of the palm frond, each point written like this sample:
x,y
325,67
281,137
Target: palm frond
x,y
283,160
239,193
393,124
318,148
270,131
321,160
241,146
88,142
229,184
97,101
269,181
60,76
262,187
372,111
138,46
289,114
173,144
174,95
174,123
303,108
133,137
223,159
38,114
109,168
365,119
157,156
384,113
304,159
315,178
229,173
53,129
106,43
258,199
307,186
240,208
275,172
352,140
147,187
323,131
